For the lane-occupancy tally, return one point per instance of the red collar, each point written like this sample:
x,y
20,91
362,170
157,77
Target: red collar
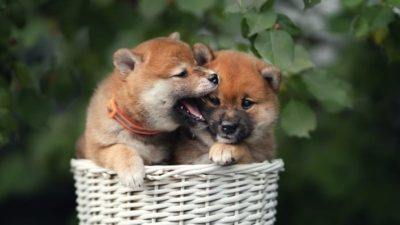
x,y
115,113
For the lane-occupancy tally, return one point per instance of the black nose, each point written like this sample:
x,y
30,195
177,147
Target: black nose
x,y
229,127
213,78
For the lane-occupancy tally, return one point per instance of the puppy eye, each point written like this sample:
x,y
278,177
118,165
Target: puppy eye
x,y
246,104
182,74
214,100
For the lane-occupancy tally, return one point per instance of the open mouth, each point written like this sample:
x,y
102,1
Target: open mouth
x,y
187,107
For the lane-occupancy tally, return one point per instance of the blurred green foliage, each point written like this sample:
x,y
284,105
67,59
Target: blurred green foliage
x,y
52,54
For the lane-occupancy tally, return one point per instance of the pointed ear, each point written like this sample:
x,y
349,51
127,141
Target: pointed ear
x,y
273,76
202,54
125,61
176,36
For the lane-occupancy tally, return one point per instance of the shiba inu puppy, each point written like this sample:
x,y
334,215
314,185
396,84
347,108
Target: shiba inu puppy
x,y
134,110
240,114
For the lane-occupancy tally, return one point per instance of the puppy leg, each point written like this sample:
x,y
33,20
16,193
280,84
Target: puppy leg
x,y
226,154
125,161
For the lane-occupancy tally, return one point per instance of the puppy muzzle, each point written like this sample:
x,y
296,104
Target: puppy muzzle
x,y
231,129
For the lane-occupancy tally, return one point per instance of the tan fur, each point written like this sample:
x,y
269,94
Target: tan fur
x,y
146,90
242,76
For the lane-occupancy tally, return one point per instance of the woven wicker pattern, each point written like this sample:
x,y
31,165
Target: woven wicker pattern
x,y
187,194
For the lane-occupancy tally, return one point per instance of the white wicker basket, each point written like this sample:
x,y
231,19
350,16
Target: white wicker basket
x,y
186,194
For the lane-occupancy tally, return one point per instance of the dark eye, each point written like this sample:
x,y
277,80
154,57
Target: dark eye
x,y
214,100
246,103
182,74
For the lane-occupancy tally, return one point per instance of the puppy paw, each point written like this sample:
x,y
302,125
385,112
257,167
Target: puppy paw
x,y
223,154
133,177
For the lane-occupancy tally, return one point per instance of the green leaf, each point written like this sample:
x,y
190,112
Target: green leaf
x,y
310,3
243,6
287,25
371,19
301,61
298,119
151,9
244,28
332,107
378,16
260,21
194,6
351,3
395,3
392,48
328,89
233,7
360,27
277,47
381,17
257,4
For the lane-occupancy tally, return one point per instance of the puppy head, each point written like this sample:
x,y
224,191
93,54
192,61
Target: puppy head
x,y
245,103
160,76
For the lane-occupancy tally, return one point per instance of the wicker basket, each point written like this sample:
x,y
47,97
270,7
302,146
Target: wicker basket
x,y
187,194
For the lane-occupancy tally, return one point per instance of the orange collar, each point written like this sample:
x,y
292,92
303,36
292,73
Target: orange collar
x,y
115,113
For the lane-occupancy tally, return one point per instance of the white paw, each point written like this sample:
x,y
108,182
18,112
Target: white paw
x,y
134,178
222,156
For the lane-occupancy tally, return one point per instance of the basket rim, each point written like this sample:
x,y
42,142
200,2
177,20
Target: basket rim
x,y
157,172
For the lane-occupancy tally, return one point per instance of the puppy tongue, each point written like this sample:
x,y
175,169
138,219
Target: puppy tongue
x,y
192,108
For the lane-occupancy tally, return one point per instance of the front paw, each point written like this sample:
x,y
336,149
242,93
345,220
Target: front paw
x,y
223,154
133,176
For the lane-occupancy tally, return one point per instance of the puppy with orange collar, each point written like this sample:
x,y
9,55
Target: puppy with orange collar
x,y
133,111
241,114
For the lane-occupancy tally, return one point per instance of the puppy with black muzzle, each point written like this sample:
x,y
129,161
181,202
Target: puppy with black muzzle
x,y
134,111
240,114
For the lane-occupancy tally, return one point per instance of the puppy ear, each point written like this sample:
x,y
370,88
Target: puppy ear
x,y
125,61
176,36
202,54
273,76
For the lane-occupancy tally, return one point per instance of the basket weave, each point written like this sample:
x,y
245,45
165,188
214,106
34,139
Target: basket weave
x,y
185,194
